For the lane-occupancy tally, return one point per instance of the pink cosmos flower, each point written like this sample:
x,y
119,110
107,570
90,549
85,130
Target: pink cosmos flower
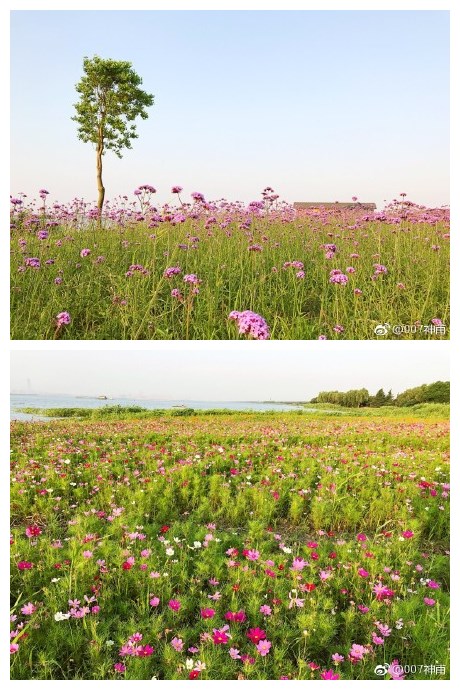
x,y
234,653
33,531
357,652
154,601
252,555
14,647
337,658
263,647
298,564
330,675
177,644
407,534
363,573
266,610
28,609
174,604
87,554
382,591
429,602
395,670
119,668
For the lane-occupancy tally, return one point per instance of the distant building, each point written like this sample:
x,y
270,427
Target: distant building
x,y
333,205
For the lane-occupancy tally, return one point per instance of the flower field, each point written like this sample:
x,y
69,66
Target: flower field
x,y
221,270
245,546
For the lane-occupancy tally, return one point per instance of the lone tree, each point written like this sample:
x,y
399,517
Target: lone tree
x,y
110,101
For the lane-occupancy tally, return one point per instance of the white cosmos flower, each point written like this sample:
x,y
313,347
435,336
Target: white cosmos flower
x,y
170,552
59,616
189,664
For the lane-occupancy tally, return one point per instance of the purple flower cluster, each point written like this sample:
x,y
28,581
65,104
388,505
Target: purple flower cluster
x,y
32,262
251,324
63,319
330,250
145,188
197,196
172,271
336,276
192,278
136,267
293,264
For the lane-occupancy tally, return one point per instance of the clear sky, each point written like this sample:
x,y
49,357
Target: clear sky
x,y
320,105
245,374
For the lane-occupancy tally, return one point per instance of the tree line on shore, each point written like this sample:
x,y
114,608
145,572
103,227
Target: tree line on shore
x,y
438,392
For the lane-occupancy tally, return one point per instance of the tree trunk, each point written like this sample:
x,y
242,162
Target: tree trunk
x,y
100,186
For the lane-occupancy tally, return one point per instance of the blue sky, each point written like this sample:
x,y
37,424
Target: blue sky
x,y
320,105
229,374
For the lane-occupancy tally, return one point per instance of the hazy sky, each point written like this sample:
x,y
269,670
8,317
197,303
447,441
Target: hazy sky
x,y
320,105
260,374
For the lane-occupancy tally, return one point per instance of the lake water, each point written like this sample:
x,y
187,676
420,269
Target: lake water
x,y
18,401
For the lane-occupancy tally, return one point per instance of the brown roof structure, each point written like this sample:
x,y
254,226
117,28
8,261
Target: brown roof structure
x,y
334,205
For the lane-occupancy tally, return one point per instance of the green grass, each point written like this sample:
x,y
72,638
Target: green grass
x,y
439,411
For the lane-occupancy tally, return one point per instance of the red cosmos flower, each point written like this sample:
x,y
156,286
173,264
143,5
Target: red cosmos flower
x,y
425,485
193,675
313,666
314,555
145,650
309,587
126,565
235,587
361,537
312,544
333,554
164,529
256,634
25,565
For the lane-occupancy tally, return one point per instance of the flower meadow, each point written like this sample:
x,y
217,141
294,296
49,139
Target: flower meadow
x,y
244,546
223,270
